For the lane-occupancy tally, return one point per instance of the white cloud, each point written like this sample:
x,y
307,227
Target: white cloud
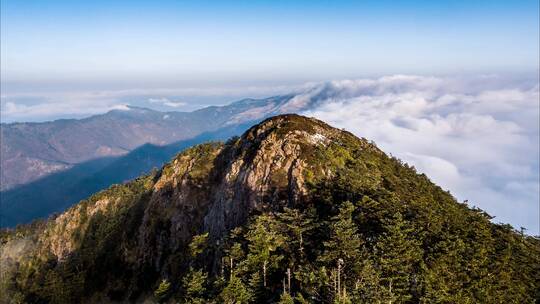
x,y
167,102
16,111
481,143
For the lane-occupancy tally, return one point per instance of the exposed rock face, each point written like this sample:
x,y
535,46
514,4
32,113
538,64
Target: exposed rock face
x,y
215,187
263,170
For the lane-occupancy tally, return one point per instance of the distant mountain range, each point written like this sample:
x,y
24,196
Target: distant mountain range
x,y
33,150
47,167
30,151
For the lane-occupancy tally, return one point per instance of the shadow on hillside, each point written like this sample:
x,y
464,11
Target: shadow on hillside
x,y
58,191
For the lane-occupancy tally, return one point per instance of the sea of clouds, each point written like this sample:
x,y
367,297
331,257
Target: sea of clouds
x,y
477,137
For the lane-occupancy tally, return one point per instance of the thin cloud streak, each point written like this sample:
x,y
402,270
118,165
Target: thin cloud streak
x,y
167,102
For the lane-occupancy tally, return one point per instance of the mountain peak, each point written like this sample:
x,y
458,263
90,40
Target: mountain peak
x,y
293,124
296,120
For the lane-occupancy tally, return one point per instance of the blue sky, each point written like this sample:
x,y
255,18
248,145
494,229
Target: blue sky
x,y
203,43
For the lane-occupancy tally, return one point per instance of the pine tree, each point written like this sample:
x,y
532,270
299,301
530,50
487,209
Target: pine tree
x,y
441,280
234,255
295,224
254,284
198,244
311,280
367,287
345,242
235,292
286,298
342,250
194,285
399,255
162,292
264,238
233,252
300,299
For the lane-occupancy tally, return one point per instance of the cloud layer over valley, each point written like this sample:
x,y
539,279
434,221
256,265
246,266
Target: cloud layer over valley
x,y
478,138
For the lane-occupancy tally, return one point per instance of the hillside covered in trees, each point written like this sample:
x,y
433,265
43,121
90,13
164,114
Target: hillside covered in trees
x,y
294,211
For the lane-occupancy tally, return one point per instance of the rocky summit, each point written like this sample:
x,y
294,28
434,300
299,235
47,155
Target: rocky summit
x,y
293,211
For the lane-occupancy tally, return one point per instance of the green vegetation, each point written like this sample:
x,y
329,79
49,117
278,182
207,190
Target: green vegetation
x,y
40,277
201,161
162,291
341,263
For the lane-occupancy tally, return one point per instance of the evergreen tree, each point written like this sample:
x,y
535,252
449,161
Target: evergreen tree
x,y
234,255
367,287
398,256
311,280
295,224
300,299
235,292
342,250
194,285
286,299
263,240
233,252
441,280
198,244
254,284
162,292
345,242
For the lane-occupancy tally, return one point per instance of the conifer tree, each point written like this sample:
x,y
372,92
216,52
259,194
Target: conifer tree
x,y
342,250
264,238
234,255
194,285
345,242
162,292
286,298
235,292
198,244
233,252
367,287
398,256
295,224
